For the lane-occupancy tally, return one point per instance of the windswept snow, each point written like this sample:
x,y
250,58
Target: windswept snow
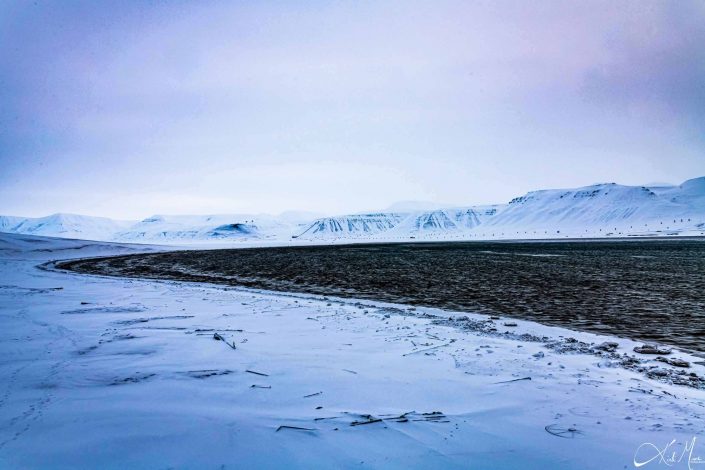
x,y
601,210
119,373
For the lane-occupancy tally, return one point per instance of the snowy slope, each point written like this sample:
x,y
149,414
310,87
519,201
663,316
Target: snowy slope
x,y
8,222
689,195
437,222
184,228
65,226
351,226
399,225
603,209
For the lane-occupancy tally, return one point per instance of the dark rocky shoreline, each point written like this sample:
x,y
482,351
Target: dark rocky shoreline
x,y
646,290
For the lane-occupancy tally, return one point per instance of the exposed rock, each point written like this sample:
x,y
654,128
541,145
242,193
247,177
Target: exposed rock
x,y
657,372
674,361
651,349
607,346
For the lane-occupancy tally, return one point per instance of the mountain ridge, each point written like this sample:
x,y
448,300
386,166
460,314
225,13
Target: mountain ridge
x,y
598,210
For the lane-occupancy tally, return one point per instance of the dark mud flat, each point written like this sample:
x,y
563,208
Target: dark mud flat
x,y
647,290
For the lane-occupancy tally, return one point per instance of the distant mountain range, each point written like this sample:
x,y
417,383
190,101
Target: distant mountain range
x,y
601,210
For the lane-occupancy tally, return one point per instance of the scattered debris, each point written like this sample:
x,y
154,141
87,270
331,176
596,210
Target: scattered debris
x,y
330,417
433,416
136,378
436,416
566,433
430,349
202,374
108,309
510,324
539,355
513,380
607,346
313,394
370,419
86,350
296,428
674,361
641,390
218,337
402,418
657,372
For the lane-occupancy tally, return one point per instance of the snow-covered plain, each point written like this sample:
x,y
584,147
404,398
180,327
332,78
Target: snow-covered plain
x,y
597,211
102,372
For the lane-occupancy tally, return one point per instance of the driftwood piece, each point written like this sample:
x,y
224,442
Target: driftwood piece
x,y
296,428
218,337
430,349
564,432
513,380
368,421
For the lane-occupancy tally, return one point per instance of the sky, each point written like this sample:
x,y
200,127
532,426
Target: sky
x,y
128,109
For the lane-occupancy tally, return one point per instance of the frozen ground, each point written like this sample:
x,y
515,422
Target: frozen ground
x,y
118,373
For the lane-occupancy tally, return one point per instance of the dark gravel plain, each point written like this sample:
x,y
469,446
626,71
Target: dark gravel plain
x,y
646,289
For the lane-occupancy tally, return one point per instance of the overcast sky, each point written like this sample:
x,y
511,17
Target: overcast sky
x,y
127,109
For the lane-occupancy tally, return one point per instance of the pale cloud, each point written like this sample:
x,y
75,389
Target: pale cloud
x,y
254,107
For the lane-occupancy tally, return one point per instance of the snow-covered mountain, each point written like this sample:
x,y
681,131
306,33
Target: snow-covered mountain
x,y
189,228
607,209
64,226
351,226
8,222
436,223
600,210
